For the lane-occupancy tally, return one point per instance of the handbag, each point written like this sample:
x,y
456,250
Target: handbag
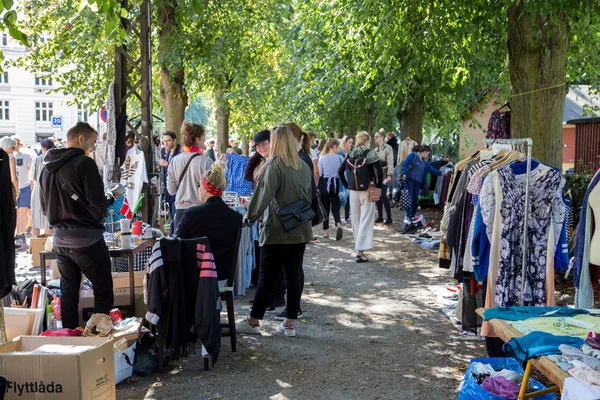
x,y
318,209
374,193
404,198
295,214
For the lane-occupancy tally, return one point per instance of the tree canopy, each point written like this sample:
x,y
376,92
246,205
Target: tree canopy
x,y
334,66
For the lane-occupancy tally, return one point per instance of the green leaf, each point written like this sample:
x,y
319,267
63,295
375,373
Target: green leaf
x,y
10,18
197,6
124,13
8,4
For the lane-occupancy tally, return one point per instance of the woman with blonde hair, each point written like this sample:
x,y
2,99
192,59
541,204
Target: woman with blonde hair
x,y
186,169
329,186
213,219
286,182
360,170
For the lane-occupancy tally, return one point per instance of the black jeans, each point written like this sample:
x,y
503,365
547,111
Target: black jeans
x,y
347,209
331,201
384,202
272,257
94,263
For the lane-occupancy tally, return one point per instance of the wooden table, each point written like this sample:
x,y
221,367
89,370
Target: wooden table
x,y
116,252
550,370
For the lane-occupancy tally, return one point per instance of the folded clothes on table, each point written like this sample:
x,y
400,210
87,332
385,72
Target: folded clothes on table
x,y
520,313
536,344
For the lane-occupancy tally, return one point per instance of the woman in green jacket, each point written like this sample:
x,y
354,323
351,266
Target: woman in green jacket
x,y
286,180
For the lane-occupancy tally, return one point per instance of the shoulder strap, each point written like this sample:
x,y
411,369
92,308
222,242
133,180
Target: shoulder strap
x,y
185,169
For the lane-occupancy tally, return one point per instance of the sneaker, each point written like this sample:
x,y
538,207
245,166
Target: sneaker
x,y
388,222
287,330
339,233
282,315
379,220
245,327
348,221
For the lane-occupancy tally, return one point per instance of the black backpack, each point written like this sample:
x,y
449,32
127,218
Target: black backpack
x,y
358,173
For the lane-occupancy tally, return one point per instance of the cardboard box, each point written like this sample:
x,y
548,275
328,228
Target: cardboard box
x,y
80,374
22,321
86,303
37,244
121,279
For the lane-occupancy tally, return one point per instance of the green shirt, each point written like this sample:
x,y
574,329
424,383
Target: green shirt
x,y
282,186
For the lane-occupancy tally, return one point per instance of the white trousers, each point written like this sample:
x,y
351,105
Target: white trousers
x,y
363,219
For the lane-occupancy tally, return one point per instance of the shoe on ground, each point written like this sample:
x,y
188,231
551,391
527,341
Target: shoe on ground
x,y
388,222
287,330
282,315
348,221
361,258
379,220
244,327
339,233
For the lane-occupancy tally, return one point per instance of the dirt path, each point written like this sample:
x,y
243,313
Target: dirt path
x,y
371,331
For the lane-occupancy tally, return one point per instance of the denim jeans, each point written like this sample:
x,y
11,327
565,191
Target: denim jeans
x,y
414,188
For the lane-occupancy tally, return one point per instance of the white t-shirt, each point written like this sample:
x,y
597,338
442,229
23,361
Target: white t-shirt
x,y
24,166
134,175
313,154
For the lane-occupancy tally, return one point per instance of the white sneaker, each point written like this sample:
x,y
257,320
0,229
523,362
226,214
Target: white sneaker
x,y
245,327
287,330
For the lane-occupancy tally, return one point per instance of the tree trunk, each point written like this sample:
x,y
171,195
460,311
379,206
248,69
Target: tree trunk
x,y
410,118
222,113
370,118
173,96
537,48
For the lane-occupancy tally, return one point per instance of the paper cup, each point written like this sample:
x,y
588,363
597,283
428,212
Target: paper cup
x,y
125,225
125,240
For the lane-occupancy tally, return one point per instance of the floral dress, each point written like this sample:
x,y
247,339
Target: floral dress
x,y
546,211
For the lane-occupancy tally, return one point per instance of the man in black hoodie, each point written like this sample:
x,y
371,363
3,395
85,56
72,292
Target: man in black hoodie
x,y
74,200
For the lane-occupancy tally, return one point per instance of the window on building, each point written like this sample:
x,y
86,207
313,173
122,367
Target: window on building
x,y
43,111
4,39
43,81
4,110
82,114
4,77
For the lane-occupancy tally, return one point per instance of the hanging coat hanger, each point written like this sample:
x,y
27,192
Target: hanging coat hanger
x,y
505,105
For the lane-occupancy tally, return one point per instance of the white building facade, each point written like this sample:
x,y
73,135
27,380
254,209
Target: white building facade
x,y
27,107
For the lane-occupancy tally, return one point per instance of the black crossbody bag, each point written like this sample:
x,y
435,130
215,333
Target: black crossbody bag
x,y
295,214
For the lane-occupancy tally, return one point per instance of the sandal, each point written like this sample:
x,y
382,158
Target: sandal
x,y
361,258
326,236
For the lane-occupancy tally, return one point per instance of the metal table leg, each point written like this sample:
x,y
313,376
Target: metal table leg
x,y
131,285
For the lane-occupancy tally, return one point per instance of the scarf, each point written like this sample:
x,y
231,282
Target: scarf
x,y
192,149
584,295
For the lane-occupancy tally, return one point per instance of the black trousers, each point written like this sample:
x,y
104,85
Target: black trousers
x,y
94,263
272,257
384,202
331,201
347,209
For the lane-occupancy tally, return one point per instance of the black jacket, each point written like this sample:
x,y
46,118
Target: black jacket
x,y
183,294
304,156
72,191
219,223
8,222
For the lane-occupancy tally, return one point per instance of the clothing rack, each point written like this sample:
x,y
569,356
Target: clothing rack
x,y
525,244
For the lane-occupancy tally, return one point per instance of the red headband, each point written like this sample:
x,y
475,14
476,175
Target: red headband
x,y
210,189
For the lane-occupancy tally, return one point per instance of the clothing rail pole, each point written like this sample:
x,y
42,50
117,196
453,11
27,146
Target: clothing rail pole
x,y
525,243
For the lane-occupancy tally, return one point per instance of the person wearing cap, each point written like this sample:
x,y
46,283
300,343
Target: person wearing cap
x,y
38,219
257,161
210,152
170,149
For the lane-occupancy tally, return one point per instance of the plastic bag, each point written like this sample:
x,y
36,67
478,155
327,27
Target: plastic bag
x,y
343,195
98,325
472,391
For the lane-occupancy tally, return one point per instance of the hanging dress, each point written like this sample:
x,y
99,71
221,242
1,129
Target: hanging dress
x,y
38,219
